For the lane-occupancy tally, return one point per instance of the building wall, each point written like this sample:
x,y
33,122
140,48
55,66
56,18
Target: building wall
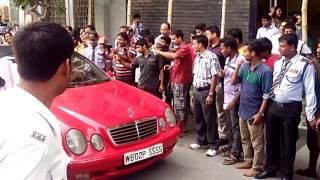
x,y
237,15
187,13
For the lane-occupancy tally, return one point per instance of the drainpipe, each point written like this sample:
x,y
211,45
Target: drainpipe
x,y
223,17
170,2
128,13
304,10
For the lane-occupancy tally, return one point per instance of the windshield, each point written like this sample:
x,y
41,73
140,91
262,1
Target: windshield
x,y
84,72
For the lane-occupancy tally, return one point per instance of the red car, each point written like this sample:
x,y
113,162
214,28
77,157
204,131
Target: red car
x,y
109,128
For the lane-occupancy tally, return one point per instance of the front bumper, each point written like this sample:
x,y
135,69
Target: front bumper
x,y
111,165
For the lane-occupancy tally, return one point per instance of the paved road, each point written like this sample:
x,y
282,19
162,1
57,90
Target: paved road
x,y
185,164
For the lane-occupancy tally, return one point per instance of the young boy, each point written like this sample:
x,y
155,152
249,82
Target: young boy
x,y
256,81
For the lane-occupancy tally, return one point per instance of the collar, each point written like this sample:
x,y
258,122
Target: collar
x,y
256,66
34,104
267,28
293,60
203,54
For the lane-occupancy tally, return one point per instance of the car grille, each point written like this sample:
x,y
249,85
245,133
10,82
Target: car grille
x,y
134,131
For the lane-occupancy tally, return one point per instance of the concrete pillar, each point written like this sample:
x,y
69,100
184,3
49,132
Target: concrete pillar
x,y
109,16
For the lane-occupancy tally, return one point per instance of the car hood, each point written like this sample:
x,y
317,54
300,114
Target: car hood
x,y
106,105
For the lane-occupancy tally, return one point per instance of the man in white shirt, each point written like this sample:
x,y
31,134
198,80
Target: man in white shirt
x,y
93,51
267,30
30,136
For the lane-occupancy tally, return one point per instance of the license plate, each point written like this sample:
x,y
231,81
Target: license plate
x,y
135,156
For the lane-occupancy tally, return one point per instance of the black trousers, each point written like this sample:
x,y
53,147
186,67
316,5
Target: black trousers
x,y
205,120
282,135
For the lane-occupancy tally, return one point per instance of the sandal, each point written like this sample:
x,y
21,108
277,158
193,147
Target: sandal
x,y
231,160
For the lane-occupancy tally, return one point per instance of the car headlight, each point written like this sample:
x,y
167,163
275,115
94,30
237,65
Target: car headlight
x,y
76,141
97,142
162,124
171,118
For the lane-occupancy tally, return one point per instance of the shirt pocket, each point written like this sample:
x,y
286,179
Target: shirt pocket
x,y
293,77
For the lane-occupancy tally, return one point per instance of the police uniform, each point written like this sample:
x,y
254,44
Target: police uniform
x,y
30,139
284,111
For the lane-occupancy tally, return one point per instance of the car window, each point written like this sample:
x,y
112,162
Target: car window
x,y
84,72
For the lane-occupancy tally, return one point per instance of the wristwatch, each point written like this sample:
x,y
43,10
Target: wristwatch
x,y
261,114
210,94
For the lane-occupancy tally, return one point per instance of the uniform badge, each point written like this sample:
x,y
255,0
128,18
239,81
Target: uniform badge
x,y
38,136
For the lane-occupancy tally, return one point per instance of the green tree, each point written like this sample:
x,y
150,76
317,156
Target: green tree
x,y
47,7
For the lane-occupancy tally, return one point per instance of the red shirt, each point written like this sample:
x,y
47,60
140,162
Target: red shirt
x,y
271,60
182,69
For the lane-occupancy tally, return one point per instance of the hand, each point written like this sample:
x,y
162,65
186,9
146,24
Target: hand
x,y
221,73
167,67
231,105
313,124
257,119
161,88
209,100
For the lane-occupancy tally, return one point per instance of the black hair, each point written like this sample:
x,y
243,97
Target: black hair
x,y
124,36
142,42
95,34
123,27
75,35
91,27
229,42
292,19
275,11
177,33
236,33
149,38
202,39
267,17
256,46
214,29
69,28
201,26
290,39
135,16
290,25
8,32
168,24
167,39
266,44
318,42
51,46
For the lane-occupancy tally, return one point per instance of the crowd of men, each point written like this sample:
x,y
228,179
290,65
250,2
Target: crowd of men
x,y
241,92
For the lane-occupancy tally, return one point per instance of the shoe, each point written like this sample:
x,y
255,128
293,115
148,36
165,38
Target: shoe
x,y
251,172
196,146
265,174
211,152
244,165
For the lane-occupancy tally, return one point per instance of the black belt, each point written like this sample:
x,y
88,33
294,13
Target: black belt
x,y
202,88
286,105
